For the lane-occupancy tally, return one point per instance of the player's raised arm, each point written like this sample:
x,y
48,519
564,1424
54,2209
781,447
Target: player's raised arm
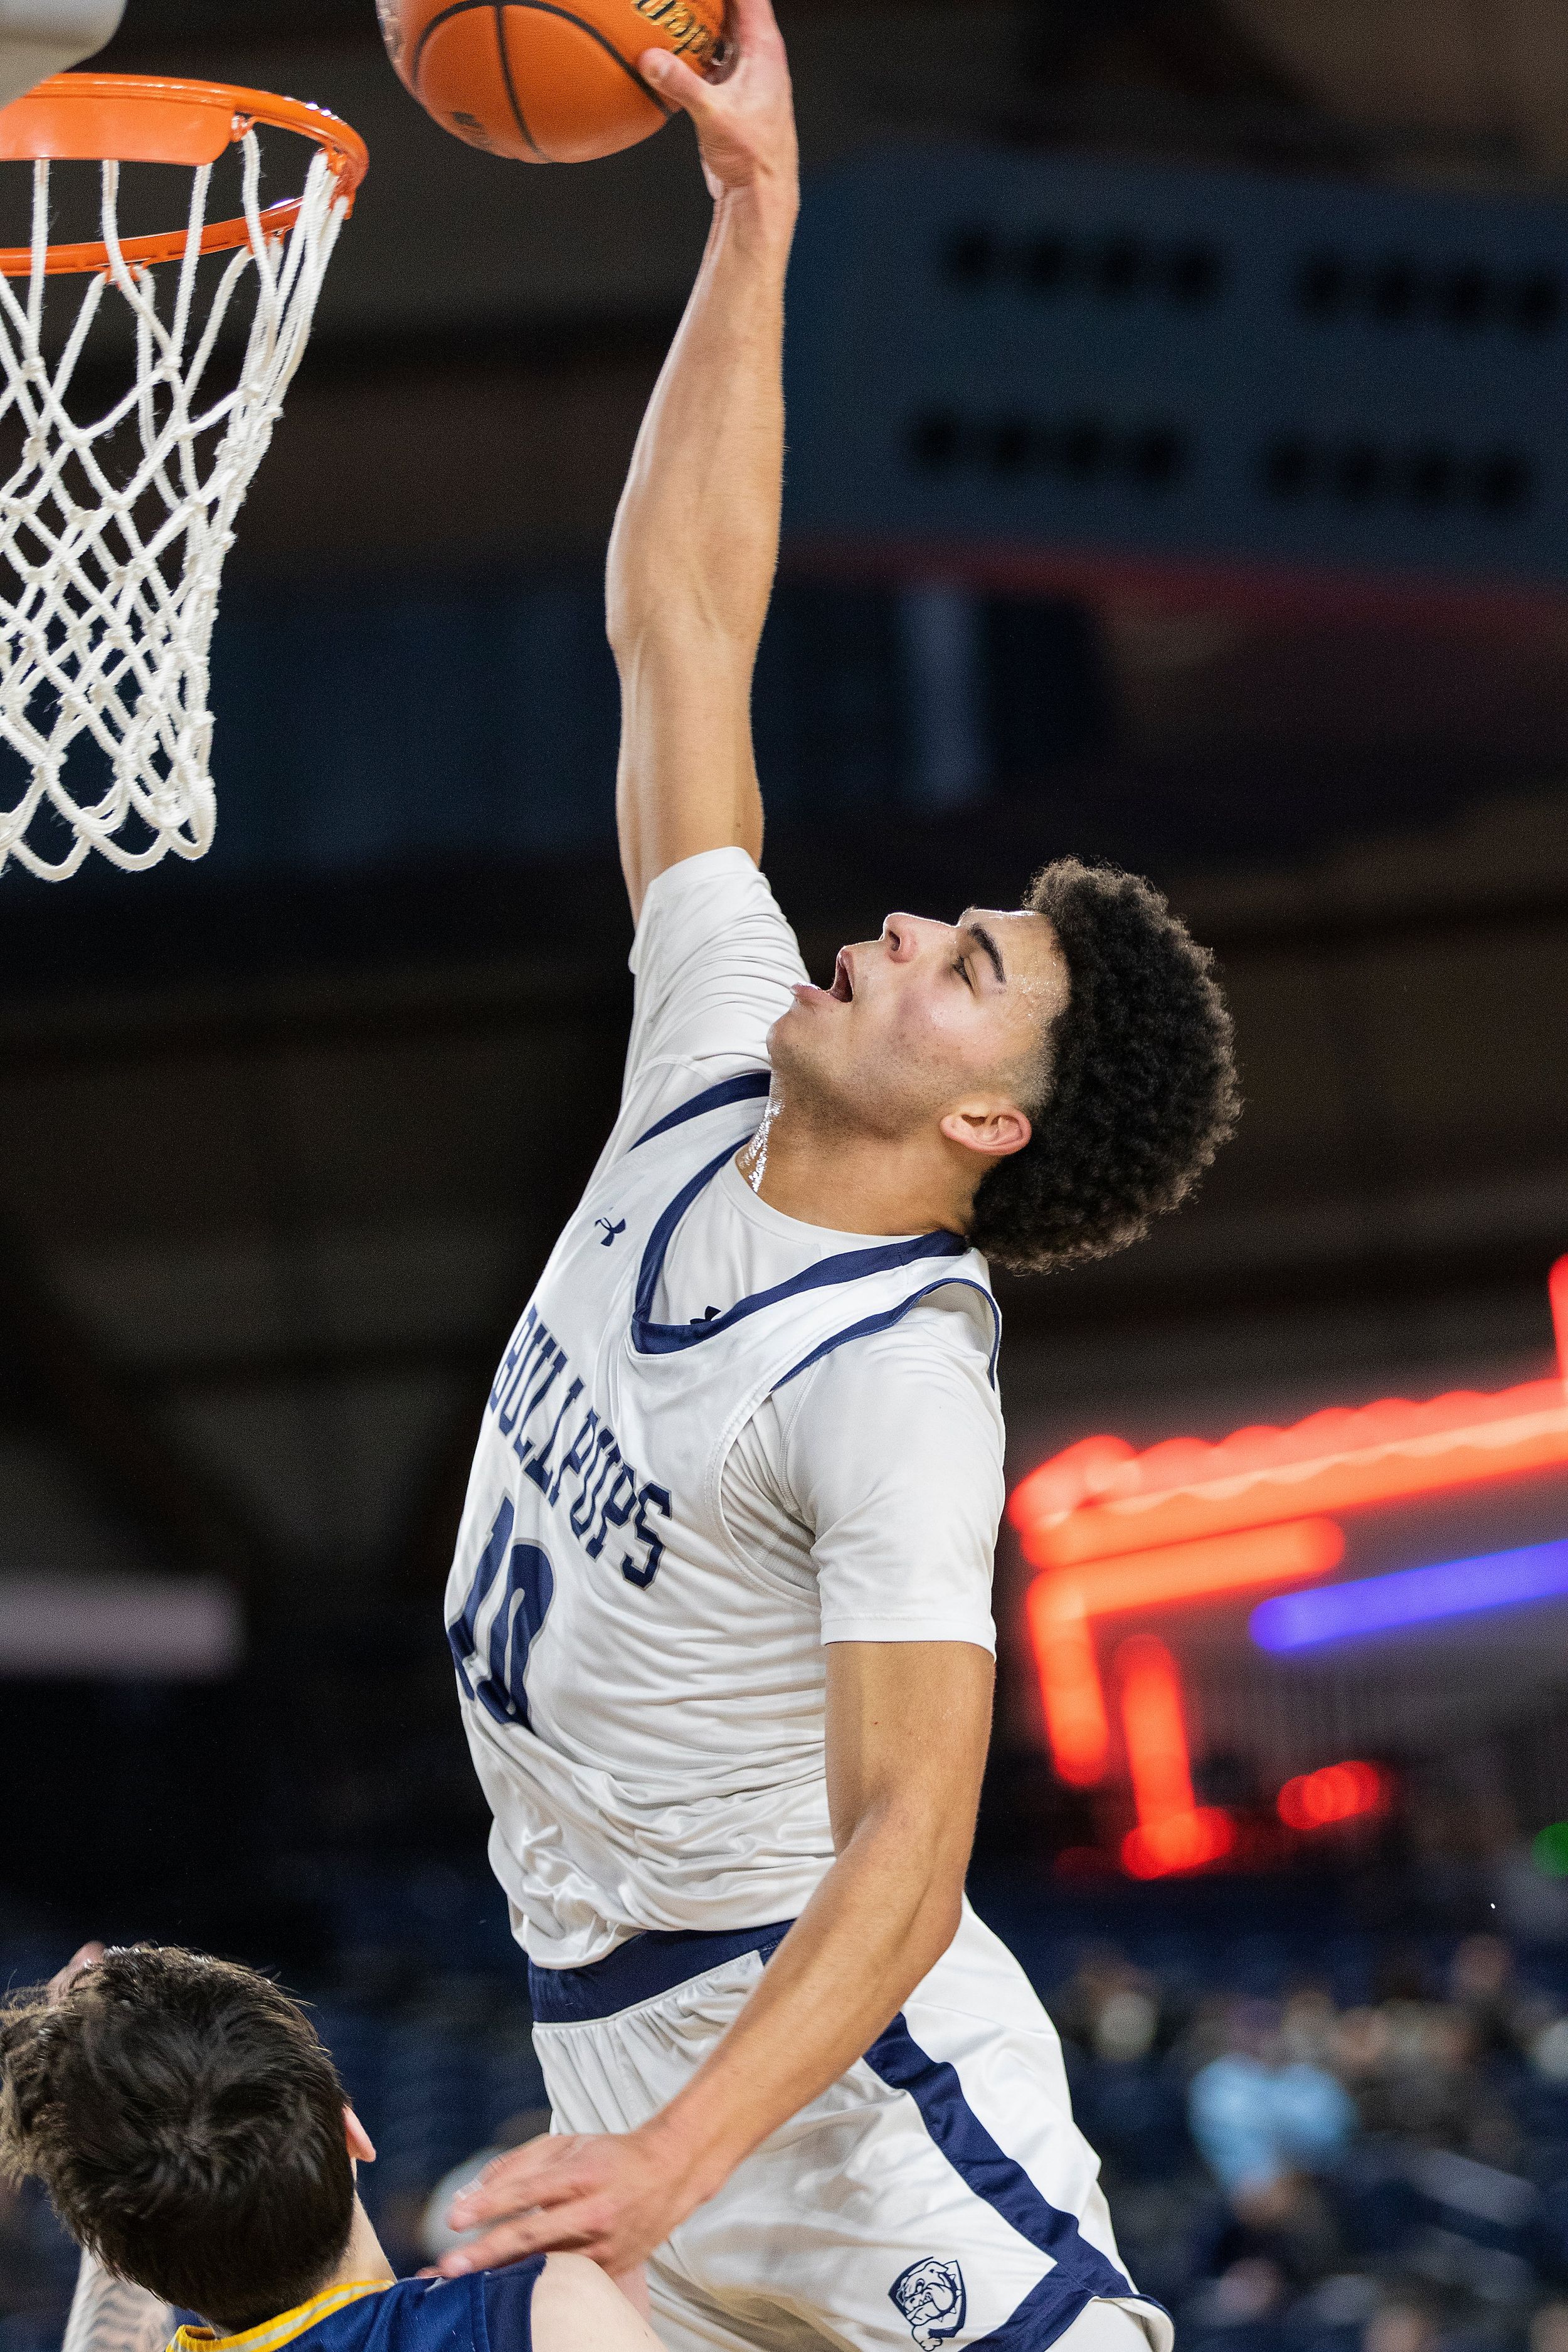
x,y
696,540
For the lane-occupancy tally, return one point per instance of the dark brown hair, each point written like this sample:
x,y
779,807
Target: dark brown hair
x,y
1137,1078
188,2126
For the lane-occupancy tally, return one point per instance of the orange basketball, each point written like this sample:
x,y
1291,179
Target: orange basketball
x,y
547,81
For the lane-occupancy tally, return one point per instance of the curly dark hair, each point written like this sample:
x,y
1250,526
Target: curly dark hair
x,y
188,2126
1137,1087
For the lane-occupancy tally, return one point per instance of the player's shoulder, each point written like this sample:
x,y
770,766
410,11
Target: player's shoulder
x,y
703,899
950,1334
415,2314
932,1370
486,2311
900,1429
575,2306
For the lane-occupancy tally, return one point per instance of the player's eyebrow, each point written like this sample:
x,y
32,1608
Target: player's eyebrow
x,y
987,945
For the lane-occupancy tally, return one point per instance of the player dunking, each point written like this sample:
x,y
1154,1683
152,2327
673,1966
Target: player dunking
x,y
721,1604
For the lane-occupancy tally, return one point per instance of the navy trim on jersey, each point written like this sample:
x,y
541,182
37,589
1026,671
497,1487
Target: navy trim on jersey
x,y
650,1339
895,1315
641,1969
1083,2270
728,1090
506,2301
1043,2316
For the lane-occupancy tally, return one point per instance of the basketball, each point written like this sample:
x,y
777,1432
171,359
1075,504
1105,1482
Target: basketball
x,y
544,85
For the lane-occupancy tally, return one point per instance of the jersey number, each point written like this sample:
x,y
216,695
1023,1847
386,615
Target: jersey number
x,y
525,1600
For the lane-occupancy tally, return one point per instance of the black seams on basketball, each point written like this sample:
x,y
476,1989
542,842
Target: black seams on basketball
x,y
540,80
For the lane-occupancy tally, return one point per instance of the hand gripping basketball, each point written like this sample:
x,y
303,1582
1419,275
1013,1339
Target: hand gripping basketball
x,y
544,81
743,117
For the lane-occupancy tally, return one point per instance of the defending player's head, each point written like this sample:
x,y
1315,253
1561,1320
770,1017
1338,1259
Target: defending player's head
x,y
189,2128
1074,1053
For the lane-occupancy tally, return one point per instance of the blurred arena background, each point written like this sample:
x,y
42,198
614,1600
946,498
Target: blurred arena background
x,y
1179,475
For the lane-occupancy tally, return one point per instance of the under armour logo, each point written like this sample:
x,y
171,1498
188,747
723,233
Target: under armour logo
x,y
932,2298
610,1231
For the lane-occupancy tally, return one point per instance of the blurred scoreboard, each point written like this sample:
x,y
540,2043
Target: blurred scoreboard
x,y
997,358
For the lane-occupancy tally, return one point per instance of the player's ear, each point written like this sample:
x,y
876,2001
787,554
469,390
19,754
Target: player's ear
x,y
359,2145
994,1128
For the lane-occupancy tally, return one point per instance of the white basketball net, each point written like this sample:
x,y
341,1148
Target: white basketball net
x,y
112,533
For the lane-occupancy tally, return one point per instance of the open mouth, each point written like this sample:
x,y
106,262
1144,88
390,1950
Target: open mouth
x,y
840,992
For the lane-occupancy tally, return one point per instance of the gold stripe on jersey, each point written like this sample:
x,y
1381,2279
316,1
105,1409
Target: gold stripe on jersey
x,y
274,2333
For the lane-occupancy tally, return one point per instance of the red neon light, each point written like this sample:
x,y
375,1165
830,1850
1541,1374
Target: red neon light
x,y
1187,1520
1336,1461
1061,1605
1155,1729
1340,1793
1101,1498
1204,1570
1172,1832
1070,1693
1185,1841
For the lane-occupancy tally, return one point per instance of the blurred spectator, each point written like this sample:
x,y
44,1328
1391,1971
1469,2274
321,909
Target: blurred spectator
x,y
1108,2006
1482,1979
1403,2323
1309,2027
1125,2027
1482,1984
1261,2117
1413,2067
1548,2055
1549,2328
1247,2295
1267,2122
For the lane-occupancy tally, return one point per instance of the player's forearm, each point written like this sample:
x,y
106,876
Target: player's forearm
x,y
110,2315
695,535
881,1920
694,549
907,1725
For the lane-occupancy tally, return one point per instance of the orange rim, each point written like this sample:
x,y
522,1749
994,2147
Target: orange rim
x,y
146,118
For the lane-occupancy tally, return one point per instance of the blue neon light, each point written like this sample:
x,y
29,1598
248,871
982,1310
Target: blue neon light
x,y
1414,1596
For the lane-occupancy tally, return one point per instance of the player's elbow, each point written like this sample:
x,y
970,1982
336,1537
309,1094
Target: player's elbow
x,y
943,1906
681,635
940,1917
689,605
928,1851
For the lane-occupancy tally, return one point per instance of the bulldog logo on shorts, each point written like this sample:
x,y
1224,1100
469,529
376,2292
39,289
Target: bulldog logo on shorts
x,y
930,2297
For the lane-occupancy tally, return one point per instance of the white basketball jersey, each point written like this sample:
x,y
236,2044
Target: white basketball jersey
x,y
642,1700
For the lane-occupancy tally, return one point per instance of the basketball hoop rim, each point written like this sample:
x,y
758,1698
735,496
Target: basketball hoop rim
x,y
152,118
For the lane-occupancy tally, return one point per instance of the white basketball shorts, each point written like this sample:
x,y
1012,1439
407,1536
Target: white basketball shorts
x,y
939,2194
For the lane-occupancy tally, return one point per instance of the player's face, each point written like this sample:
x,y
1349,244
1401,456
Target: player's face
x,y
930,1016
